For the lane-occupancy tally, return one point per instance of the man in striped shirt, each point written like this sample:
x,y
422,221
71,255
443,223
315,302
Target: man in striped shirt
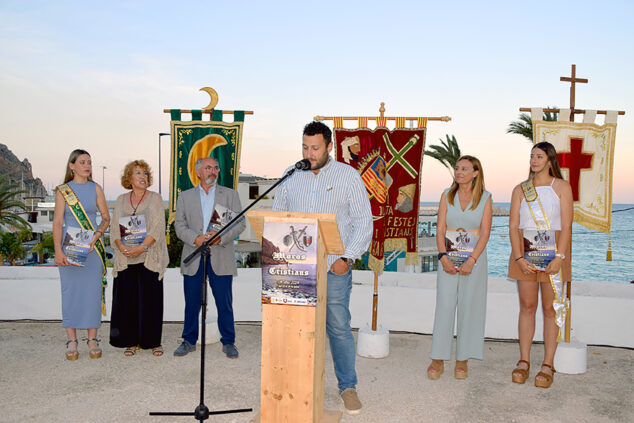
x,y
333,187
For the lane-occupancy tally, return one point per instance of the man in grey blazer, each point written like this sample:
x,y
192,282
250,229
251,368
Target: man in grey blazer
x,y
194,209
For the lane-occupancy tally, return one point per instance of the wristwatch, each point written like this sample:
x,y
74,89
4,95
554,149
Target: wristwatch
x,y
561,256
440,255
348,261
144,247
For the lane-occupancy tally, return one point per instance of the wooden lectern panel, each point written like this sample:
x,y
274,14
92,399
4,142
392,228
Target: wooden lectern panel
x,y
294,338
288,363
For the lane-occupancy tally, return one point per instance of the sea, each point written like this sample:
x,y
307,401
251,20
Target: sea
x,y
589,248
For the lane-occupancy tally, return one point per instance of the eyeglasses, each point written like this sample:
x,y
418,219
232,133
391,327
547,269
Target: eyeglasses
x,y
214,168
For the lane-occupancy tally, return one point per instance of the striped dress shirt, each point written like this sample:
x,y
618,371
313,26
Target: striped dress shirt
x,y
337,188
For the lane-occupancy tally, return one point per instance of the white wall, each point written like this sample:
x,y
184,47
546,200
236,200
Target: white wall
x,y
601,312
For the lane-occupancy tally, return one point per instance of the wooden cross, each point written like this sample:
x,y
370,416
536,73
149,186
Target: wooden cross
x,y
573,79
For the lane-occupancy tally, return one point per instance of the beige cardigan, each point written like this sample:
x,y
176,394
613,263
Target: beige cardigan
x,y
157,258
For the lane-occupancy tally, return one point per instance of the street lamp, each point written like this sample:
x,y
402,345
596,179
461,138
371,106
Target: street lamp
x,y
103,179
159,163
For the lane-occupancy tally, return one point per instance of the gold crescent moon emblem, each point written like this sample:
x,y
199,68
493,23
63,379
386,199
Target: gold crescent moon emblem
x,y
202,149
214,97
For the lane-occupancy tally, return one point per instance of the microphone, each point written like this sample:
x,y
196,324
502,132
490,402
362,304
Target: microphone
x,y
303,164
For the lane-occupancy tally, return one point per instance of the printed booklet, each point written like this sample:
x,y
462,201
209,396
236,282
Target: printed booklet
x,y
539,247
220,218
459,245
76,245
133,230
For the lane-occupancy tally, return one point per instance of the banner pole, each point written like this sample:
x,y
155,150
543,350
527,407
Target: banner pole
x,y
568,292
375,301
569,295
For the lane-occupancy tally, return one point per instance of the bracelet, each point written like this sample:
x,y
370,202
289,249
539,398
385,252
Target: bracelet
x,y
475,260
99,232
520,257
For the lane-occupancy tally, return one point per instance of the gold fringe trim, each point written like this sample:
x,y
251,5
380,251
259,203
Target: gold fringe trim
x,y
411,259
395,244
376,265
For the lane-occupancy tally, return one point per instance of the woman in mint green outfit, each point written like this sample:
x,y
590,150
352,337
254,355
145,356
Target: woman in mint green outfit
x,y
465,206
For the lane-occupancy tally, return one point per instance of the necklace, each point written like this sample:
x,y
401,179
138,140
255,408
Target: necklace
x,y
137,204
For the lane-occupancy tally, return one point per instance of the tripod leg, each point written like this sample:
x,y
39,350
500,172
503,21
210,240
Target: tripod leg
x,y
203,329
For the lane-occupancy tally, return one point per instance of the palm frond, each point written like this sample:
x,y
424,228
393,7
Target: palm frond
x,y
524,125
447,153
10,203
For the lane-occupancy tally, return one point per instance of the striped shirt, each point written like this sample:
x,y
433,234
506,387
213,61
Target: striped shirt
x,y
337,188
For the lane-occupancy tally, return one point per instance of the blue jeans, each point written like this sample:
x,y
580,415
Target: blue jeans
x,y
223,295
338,329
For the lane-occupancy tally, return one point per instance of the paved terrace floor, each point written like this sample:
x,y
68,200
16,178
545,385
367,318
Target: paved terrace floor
x,y
38,385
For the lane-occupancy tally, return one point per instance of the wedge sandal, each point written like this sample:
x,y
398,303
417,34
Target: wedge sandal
x,y
94,352
435,369
546,379
71,354
461,371
520,375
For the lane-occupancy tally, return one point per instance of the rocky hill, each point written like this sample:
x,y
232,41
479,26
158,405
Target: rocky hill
x,y
20,172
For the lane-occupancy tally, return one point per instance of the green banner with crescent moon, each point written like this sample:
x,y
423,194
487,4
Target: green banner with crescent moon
x,y
195,139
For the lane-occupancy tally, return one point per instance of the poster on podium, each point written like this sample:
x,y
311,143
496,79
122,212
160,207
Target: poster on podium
x,y
289,263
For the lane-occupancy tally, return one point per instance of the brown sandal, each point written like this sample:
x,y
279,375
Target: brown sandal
x,y
157,351
547,379
435,369
520,375
461,371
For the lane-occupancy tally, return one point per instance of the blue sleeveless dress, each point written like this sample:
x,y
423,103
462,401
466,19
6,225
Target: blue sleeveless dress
x,y
81,286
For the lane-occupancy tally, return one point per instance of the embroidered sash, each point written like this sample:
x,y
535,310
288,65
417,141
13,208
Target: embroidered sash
x,y
80,215
561,304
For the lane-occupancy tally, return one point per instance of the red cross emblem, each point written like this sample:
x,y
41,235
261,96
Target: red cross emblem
x,y
574,161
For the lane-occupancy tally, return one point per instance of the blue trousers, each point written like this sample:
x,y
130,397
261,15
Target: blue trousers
x,y
338,329
223,295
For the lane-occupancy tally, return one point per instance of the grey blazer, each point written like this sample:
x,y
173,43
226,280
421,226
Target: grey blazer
x,y
189,224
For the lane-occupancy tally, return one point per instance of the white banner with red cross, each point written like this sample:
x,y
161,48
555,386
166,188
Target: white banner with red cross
x,y
585,152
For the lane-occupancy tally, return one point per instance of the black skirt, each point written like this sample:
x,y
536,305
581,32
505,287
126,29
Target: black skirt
x,y
137,308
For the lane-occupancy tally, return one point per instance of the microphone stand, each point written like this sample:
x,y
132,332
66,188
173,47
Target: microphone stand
x,y
202,411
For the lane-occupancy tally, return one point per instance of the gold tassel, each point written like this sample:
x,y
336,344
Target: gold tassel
x,y
167,238
608,256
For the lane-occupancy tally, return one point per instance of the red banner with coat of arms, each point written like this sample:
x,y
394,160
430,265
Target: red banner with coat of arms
x,y
389,163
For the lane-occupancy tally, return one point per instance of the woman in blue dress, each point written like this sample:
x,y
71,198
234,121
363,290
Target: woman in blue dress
x,y
81,285
465,209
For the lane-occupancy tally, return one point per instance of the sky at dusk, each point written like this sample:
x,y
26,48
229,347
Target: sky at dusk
x,y
97,76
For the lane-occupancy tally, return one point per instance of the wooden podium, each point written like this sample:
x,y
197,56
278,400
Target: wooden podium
x,y
294,337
